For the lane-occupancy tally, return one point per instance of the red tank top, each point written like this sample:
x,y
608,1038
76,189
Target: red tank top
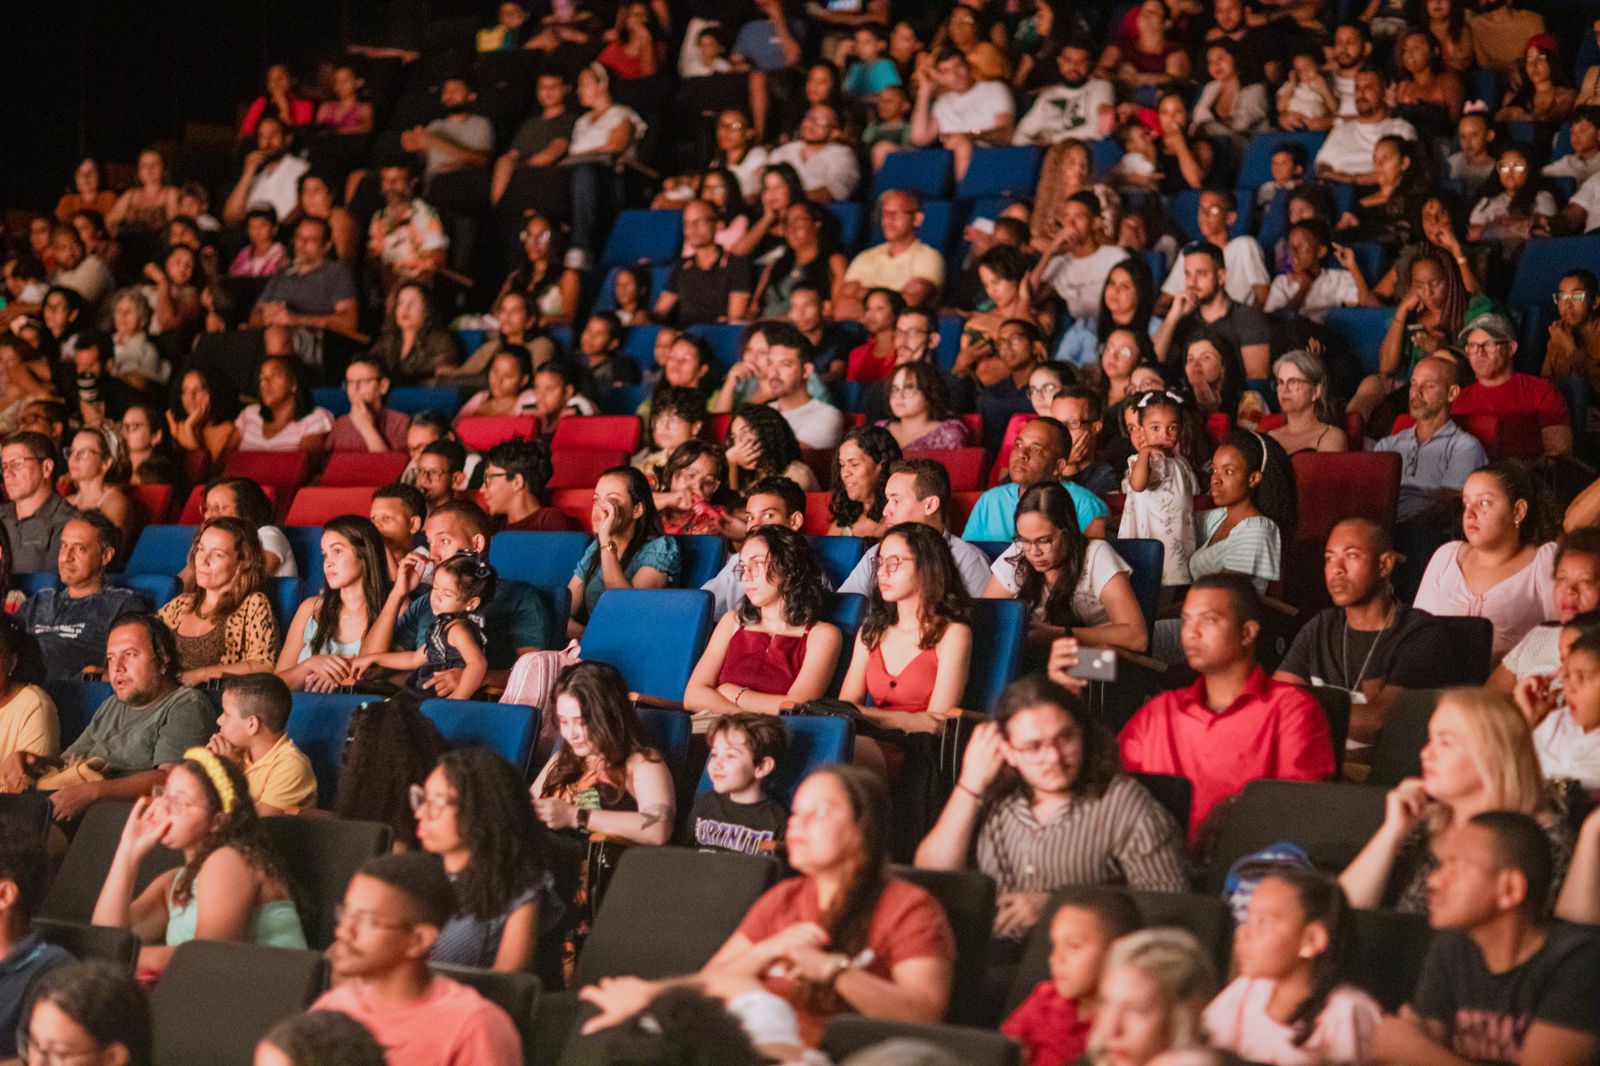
x,y
909,690
763,662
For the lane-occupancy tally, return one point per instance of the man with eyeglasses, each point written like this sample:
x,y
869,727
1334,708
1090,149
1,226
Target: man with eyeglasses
x,y
369,426
1436,455
1040,451
1080,409
515,473
1058,815
828,170
1522,402
918,490
33,515
1574,346
902,263
1346,156
393,911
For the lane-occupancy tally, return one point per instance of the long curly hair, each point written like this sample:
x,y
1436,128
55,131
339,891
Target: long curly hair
x,y
612,724
780,448
792,566
879,445
239,829
944,596
1275,494
648,526
249,572
389,746
367,543
496,825
1049,500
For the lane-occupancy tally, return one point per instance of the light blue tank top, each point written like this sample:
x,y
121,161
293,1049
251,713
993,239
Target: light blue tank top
x,y
334,647
274,925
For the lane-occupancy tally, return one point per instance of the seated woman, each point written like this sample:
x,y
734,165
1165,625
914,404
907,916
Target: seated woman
x,y
772,649
1228,108
241,498
1182,160
1513,206
1389,213
1301,381
150,454
677,414
1504,570
412,346
134,361
174,295
630,291
229,887
1003,270
1041,803
222,620
630,551
510,389
604,787
513,316
913,649
287,418
1153,989
808,260
93,1005
1479,757
201,417
720,188
1072,586
551,288
761,444
390,748
1252,486
1215,374
1127,301
855,508
315,200
924,419
325,634
1540,90
1426,94
473,812
1576,591
91,463
1142,55
692,494
874,358
1124,351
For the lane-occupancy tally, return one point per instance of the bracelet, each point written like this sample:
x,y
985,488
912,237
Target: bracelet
x,y
740,695
841,963
975,795
609,546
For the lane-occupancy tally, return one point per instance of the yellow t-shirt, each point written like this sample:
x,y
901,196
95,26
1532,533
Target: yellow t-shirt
x,y
29,723
282,778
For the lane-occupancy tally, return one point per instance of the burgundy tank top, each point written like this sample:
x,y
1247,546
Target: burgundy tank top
x,y
763,662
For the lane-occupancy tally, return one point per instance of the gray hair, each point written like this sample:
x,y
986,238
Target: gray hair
x,y
1316,373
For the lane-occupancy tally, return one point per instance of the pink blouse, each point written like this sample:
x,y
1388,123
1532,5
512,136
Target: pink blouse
x,y
1515,605
1238,1020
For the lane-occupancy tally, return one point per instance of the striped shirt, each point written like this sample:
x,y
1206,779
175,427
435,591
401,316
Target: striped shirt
x,y
1124,836
1251,548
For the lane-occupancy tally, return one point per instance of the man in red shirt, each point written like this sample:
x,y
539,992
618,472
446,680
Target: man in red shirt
x,y
1521,401
1235,724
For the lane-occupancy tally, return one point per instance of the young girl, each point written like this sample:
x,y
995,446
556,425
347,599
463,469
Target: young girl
x,y
1305,100
1161,485
1566,723
693,496
461,585
1513,206
229,886
1287,1007
1052,1024
630,289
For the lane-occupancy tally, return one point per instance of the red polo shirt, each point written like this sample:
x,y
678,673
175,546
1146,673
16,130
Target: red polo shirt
x,y
1272,730
1525,405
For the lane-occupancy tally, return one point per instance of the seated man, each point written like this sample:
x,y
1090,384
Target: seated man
x,y
1388,645
902,263
73,620
102,396
80,270
1346,156
514,477
24,958
455,141
918,490
33,515
1204,305
1079,408
1522,402
709,284
392,913
369,426
313,294
967,114
1041,450
1079,106
1235,724
816,424
828,170
831,341
542,138
599,344
516,619
270,177
406,237
441,472
1501,982
398,510
139,733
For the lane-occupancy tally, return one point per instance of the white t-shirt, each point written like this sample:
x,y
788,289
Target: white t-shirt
x,y
1246,267
1060,112
1566,750
1493,208
1331,288
278,186
1101,563
1537,654
832,167
273,540
1081,280
817,425
253,439
1588,198
1574,166
1349,146
748,171
979,108
591,132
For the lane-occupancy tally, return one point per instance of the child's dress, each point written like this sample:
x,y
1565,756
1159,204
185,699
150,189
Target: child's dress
x,y
1238,1021
1164,511
442,655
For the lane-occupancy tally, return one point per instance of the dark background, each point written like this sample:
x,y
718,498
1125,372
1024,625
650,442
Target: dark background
x,y
109,77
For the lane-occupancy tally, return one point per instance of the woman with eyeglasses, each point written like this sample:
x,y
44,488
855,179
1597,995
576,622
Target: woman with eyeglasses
x,y
1072,586
88,1013
473,813
92,463
923,418
1301,382
773,648
230,886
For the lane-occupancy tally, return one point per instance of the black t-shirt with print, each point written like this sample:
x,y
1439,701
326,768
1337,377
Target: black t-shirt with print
x,y
719,824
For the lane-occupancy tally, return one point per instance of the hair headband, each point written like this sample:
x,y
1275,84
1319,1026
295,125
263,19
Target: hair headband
x,y
217,774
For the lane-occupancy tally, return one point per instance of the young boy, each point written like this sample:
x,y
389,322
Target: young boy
x,y
890,128
872,71
1053,1023
1475,162
1566,723
1288,168
738,815
250,729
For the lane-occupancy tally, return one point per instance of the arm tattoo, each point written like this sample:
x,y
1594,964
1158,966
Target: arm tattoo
x,y
658,812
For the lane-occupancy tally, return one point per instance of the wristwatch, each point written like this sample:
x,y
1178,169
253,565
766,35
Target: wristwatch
x,y
841,963
583,819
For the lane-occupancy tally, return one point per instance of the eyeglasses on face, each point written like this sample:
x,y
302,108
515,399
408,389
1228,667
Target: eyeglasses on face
x,y
421,804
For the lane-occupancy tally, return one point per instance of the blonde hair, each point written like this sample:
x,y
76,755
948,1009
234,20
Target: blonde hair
x,y
1500,743
1180,968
